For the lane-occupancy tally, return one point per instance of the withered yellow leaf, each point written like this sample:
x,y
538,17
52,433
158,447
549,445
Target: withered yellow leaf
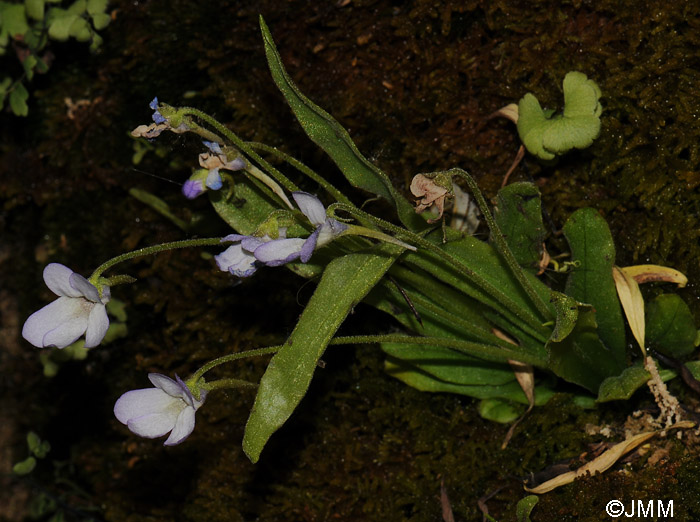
x,y
651,273
602,462
632,303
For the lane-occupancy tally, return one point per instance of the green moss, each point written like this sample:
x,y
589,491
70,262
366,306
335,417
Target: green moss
x,y
415,84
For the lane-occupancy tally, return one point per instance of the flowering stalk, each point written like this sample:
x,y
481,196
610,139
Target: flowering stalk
x,y
197,384
337,195
96,280
177,116
501,244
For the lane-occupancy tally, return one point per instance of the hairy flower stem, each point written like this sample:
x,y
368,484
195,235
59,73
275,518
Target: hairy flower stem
x,y
334,192
147,251
501,244
192,382
223,384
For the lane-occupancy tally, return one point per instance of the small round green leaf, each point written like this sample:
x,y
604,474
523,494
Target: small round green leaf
x,y
96,6
25,467
532,123
14,19
80,29
564,134
670,327
100,20
547,136
35,9
18,100
60,22
498,411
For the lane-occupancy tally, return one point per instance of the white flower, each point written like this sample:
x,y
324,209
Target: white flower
x,y
78,310
153,412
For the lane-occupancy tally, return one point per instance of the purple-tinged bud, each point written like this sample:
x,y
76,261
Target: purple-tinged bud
x,y
192,188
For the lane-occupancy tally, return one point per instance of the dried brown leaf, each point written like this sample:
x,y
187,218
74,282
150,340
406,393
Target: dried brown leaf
x,y
604,461
651,273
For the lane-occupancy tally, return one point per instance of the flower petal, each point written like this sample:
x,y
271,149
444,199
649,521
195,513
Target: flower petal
x,y
213,146
168,385
183,427
158,118
236,261
214,180
311,206
186,392
152,426
329,231
138,403
232,238
192,188
85,287
236,164
66,333
97,326
309,245
57,278
59,323
50,317
250,243
280,251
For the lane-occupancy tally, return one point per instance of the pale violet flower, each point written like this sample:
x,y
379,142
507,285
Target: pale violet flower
x,y
281,251
153,412
78,310
209,178
235,259
243,258
239,259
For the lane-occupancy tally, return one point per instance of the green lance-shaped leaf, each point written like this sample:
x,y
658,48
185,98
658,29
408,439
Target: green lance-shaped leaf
x,y
591,282
450,366
670,327
456,317
246,206
518,213
328,134
344,283
493,284
420,380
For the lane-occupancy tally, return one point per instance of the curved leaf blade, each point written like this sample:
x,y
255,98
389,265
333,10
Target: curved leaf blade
x,y
345,282
328,134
